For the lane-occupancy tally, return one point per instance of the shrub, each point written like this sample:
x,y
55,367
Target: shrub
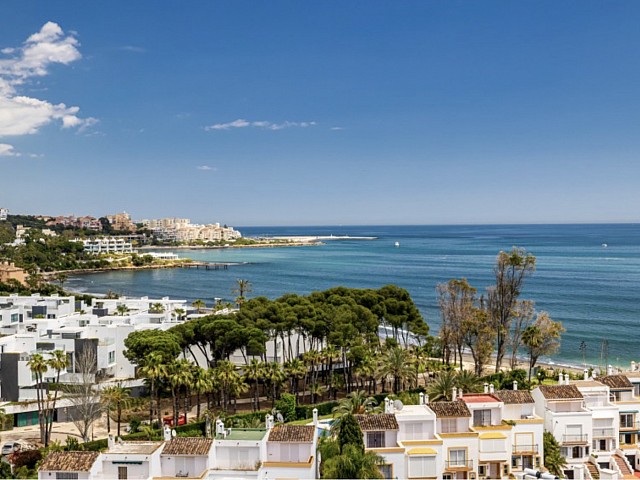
x,y
26,458
287,406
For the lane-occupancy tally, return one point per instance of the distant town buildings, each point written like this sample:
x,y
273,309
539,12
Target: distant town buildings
x,y
86,222
4,212
182,230
8,271
121,221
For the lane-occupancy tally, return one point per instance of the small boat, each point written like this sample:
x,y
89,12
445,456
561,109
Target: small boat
x,y
604,245
397,244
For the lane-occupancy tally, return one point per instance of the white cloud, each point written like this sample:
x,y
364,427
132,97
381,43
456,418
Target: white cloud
x,y
240,123
206,168
336,128
7,150
134,49
22,115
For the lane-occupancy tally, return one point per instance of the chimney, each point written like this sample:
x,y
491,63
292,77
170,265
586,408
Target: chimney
x,y
460,393
167,433
387,405
220,427
111,442
515,385
486,387
491,388
426,399
315,417
633,366
566,379
560,379
421,395
609,370
586,374
454,393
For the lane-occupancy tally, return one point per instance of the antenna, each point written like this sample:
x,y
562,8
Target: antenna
x,y
398,405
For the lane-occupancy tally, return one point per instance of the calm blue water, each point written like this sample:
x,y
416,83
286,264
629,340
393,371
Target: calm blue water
x,y
591,289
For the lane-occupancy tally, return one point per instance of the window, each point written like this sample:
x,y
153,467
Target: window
x,y
122,473
482,470
375,440
481,418
386,470
414,431
449,425
66,475
626,420
15,317
422,466
112,357
458,457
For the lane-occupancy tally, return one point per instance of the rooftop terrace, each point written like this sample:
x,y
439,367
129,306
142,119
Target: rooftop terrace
x,y
243,434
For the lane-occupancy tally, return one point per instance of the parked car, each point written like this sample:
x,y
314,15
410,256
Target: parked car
x,y
10,447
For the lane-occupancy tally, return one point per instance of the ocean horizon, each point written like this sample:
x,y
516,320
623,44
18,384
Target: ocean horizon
x,y
587,276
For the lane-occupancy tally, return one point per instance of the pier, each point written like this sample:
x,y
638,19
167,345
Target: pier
x,y
208,265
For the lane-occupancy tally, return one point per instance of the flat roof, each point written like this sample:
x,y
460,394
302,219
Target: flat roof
x,y
144,448
243,434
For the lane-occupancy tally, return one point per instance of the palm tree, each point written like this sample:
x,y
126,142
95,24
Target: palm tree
x,y
295,369
154,370
122,310
353,462
198,305
179,312
156,308
39,367
397,363
275,377
356,402
468,381
180,375
441,386
244,286
553,459
58,362
119,397
228,378
253,373
201,383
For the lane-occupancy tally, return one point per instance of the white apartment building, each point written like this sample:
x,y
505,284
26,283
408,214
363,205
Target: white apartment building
x,y
182,230
101,245
274,452
4,212
475,436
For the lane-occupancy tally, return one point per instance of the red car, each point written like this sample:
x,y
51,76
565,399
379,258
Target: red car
x,y
169,420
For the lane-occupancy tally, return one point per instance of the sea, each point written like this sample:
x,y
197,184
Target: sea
x,y
587,276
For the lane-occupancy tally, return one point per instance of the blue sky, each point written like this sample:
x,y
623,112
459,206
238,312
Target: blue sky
x,y
332,112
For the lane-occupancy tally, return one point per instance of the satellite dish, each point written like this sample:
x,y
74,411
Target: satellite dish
x,y
173,433
279,417
398,405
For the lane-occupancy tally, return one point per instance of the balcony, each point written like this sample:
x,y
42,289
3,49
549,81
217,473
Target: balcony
x,y
604,432
575,439
526,449
458,465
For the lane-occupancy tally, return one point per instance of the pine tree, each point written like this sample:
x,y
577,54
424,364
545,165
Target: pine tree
x,y
350,433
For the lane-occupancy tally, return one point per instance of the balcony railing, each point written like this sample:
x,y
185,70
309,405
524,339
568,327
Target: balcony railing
x,y
525,448
604,432
458,464
575,439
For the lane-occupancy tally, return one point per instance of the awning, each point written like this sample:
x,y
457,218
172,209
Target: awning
x,y
422,451
492,436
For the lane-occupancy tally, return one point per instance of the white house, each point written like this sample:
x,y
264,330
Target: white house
x,y
69,465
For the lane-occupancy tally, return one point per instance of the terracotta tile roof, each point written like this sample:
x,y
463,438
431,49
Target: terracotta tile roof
x,y
560,392
187,446
292,433
616,381
514,396
377,422
69,461
450,409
